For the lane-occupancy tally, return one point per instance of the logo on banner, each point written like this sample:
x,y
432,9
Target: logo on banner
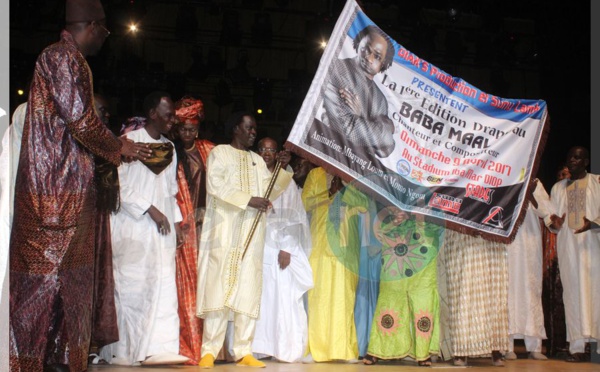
x,y
479,192
403,167
417,175
494,218
445,202
434,180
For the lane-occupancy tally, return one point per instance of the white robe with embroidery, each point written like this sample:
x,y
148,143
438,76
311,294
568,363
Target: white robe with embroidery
x,y
579,262
525,314
282,328
144,262
233,177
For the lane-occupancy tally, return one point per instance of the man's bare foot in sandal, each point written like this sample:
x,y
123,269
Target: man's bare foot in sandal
x,y
94,359
370,360
460,361
424,363
497,359
577,358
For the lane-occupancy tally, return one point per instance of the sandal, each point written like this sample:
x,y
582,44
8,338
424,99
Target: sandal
x,y
94,359
577,358
424,363
370,360
497,359
460,361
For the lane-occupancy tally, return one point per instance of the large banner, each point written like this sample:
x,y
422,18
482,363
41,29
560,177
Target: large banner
x,y
416,136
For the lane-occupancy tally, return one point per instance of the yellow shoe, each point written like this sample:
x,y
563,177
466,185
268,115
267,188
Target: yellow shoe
x,y
250,361
207,361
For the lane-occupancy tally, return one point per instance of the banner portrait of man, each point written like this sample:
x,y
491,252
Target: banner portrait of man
x,y
354,107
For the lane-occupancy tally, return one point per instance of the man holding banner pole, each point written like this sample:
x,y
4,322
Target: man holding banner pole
x,y
230,264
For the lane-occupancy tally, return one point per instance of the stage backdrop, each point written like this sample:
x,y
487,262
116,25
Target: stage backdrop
x,y
416,136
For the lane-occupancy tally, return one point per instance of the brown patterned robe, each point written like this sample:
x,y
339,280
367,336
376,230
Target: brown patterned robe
x,y
52,239
104,313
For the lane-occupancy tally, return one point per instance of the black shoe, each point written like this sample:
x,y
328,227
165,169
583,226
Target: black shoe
x,y
56,368
578,358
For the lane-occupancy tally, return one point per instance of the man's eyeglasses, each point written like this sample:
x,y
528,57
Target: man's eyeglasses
x,y
266,149
104,28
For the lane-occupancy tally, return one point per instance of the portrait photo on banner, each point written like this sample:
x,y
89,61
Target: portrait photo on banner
x,y
411,134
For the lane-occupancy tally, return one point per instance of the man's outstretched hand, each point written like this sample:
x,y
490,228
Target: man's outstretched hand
x,y
134,151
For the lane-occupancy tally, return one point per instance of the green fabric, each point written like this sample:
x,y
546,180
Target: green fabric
x,y
334,261
407,313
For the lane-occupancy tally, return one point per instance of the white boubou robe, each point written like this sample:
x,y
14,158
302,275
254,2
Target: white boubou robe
x,y
9,162
144,262
579,255
525,260
282,328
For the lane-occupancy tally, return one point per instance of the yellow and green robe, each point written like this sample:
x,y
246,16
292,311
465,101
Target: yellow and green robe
x,y
334,260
